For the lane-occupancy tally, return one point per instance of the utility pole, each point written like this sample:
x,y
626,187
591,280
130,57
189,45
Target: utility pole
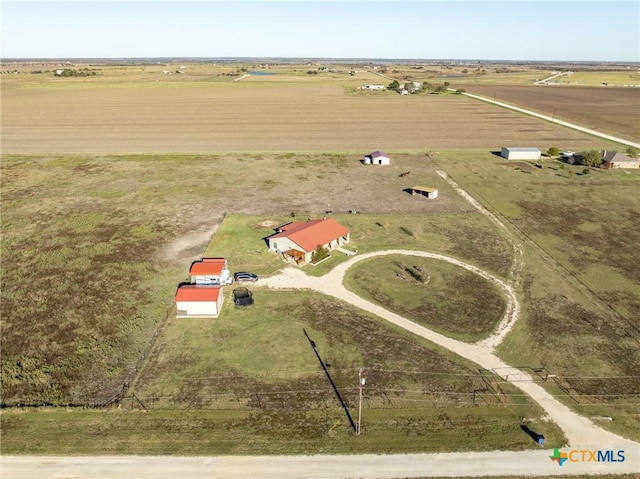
x,y
361,381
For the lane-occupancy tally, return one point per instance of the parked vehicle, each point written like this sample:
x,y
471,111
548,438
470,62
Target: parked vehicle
x,y
243,276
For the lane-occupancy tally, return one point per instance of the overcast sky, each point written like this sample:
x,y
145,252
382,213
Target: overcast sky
x,y
424,29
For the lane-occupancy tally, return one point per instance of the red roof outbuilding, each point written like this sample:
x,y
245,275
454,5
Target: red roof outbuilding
x,y
208,266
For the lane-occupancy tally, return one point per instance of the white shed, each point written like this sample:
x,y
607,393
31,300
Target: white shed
x,y
520,153
377,158
431,193
194,300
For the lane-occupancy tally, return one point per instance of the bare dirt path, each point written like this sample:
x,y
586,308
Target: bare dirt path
x,y
367,466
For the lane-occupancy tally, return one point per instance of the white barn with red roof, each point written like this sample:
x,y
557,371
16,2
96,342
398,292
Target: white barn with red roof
x,y
300,239
211,271
196,300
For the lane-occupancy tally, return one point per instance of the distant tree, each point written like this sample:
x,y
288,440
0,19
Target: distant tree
x,y
460,91
312,72
633,152
426,86
440,89
394,85
585,171
592,158
446,84
465,71
553,151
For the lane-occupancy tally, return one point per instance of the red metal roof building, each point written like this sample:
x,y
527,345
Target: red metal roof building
x,y
307,236
210,271
193,300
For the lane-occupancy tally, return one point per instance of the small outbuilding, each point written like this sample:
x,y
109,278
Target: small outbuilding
x,y
211,271
430,193
198,301
377,158
520,153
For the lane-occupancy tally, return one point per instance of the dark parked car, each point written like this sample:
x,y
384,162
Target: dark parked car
x,y
241,277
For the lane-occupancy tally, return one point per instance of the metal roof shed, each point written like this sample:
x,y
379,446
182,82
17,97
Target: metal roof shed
x,y
520,153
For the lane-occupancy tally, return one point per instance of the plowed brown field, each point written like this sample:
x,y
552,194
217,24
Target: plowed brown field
x,y
615,111
194,118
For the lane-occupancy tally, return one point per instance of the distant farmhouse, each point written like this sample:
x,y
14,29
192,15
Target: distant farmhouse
x,y
372,87
298,240
520,153
377,158
610,160
613,159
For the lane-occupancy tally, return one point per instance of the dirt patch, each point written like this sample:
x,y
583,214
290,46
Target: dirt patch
x,y
190,245
518,164
267,223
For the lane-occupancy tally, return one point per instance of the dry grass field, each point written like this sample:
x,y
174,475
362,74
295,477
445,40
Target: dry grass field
x,y
615,111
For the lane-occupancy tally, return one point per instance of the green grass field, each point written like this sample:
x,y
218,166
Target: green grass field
x,y
294,432
435,294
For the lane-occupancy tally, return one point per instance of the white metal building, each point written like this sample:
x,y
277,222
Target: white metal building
x,y
377,158
431,193
520,153
194,300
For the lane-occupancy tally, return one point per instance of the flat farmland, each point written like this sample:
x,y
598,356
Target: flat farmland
x,y
188,117
611,110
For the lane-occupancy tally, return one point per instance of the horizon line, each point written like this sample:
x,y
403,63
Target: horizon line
x,y
305,58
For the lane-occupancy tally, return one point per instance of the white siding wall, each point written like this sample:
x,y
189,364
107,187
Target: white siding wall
x,y
205,279
282,244
201,308
520,155
625,164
